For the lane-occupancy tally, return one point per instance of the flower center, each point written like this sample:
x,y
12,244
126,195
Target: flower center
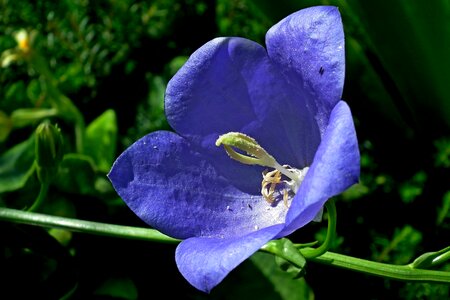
x,y
281,183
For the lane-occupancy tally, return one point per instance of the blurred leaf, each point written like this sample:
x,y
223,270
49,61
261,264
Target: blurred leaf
x,y
150,114
428,291
402,248
76,175
442,158
444,211
101,138
241,18
5,126
14,96
175,64
29,116
412,188
34,91
118,288
259,277
356,191
284,284
418,63
17,165
59,206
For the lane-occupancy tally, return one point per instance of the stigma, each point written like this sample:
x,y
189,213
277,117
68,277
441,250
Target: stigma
x,y
279,184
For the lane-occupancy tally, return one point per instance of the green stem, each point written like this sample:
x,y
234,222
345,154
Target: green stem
x,y
402,272
310,253
112,230
65,107
40,198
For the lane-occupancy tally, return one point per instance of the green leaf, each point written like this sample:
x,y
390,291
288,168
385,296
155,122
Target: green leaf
x,y
401,248
418,64
101,138
119,288
286,250
259,277
444,211
76,175
287,287
5,126
29,116
431,259
17,165
412,188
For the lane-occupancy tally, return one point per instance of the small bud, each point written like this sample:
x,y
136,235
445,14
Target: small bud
x,y
431,259
49,151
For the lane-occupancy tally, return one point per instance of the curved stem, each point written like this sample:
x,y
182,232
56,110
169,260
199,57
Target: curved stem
x,y
402,272
310,253
31,218
40,198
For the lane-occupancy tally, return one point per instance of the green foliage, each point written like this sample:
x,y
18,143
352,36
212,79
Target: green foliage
x,y
17,165
101,140
412,188
261,278
442,157
77,175
118,288
399,249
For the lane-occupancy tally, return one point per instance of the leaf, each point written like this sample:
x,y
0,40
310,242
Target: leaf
x,y
17,165
101,138
444,211
119,288
5,126
76,175
259,277
418,64
288,288
286,250
431,259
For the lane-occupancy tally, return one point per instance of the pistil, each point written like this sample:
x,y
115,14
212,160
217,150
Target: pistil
x,y
257,155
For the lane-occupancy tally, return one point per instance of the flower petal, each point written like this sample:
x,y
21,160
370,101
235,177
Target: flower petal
x,y
336,167
176,190
309,47
205,262
230,84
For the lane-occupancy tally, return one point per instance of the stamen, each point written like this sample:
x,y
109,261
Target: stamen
x,y
256,155
272,179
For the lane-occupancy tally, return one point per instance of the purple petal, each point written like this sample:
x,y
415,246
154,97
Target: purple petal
x,y
336,167
309,47
177,191
205,262
230,84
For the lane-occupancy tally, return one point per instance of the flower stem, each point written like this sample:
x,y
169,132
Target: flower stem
x,y
310,253
403,272
40,198
398,272
112,230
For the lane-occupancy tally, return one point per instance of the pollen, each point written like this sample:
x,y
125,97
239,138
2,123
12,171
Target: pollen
x,y
274,188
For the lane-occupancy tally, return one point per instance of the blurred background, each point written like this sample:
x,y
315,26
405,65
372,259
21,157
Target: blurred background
x,y
98,70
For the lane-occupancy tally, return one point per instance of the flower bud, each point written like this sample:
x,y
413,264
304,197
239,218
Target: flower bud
x,y
49,151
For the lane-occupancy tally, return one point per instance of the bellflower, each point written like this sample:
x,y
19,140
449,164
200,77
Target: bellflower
x,y
262,140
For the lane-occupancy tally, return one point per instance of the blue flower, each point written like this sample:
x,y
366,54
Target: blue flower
x,y
284,99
